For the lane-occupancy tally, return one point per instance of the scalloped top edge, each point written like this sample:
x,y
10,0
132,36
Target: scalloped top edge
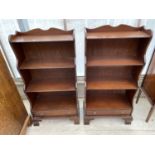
x,y
120,27
40,32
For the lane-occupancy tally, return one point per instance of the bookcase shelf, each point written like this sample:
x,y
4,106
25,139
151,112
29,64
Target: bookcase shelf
x,y
111,84
50,86
54,104
46,64
119,34
108,102
115,58
112,77
99,62
39,64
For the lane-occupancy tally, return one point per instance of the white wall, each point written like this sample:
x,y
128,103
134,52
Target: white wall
x,y
9,26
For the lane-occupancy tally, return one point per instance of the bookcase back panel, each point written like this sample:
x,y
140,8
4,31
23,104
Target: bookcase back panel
x,y
111,48
105,93
52,74
44,55
112,73
110,93
53,104
109,102
48,80
52,96
44,51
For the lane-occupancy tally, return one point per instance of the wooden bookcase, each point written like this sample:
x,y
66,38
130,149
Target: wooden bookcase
x,y
46,62
114,60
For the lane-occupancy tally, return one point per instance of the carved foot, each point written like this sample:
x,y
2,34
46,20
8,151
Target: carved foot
x,y
87,120
36,121
128,120
75,119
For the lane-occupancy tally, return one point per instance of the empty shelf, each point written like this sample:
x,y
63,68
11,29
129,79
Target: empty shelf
x,y
106,105
54,105
119,34
42,38
113,62
49,85
42,64
111,84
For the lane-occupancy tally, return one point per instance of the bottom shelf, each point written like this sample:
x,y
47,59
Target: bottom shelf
x,y
54,104
100,103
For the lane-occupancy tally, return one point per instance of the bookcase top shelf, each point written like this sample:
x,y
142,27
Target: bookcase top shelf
x,y
39,35
120,32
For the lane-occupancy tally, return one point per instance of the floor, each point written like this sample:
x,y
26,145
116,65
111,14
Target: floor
x,y
62,126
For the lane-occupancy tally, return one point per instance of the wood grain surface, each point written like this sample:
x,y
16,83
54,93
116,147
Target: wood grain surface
x,y
12,110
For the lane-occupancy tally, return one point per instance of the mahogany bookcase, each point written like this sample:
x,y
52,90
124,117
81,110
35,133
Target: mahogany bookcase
x,y
114,60
46,62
